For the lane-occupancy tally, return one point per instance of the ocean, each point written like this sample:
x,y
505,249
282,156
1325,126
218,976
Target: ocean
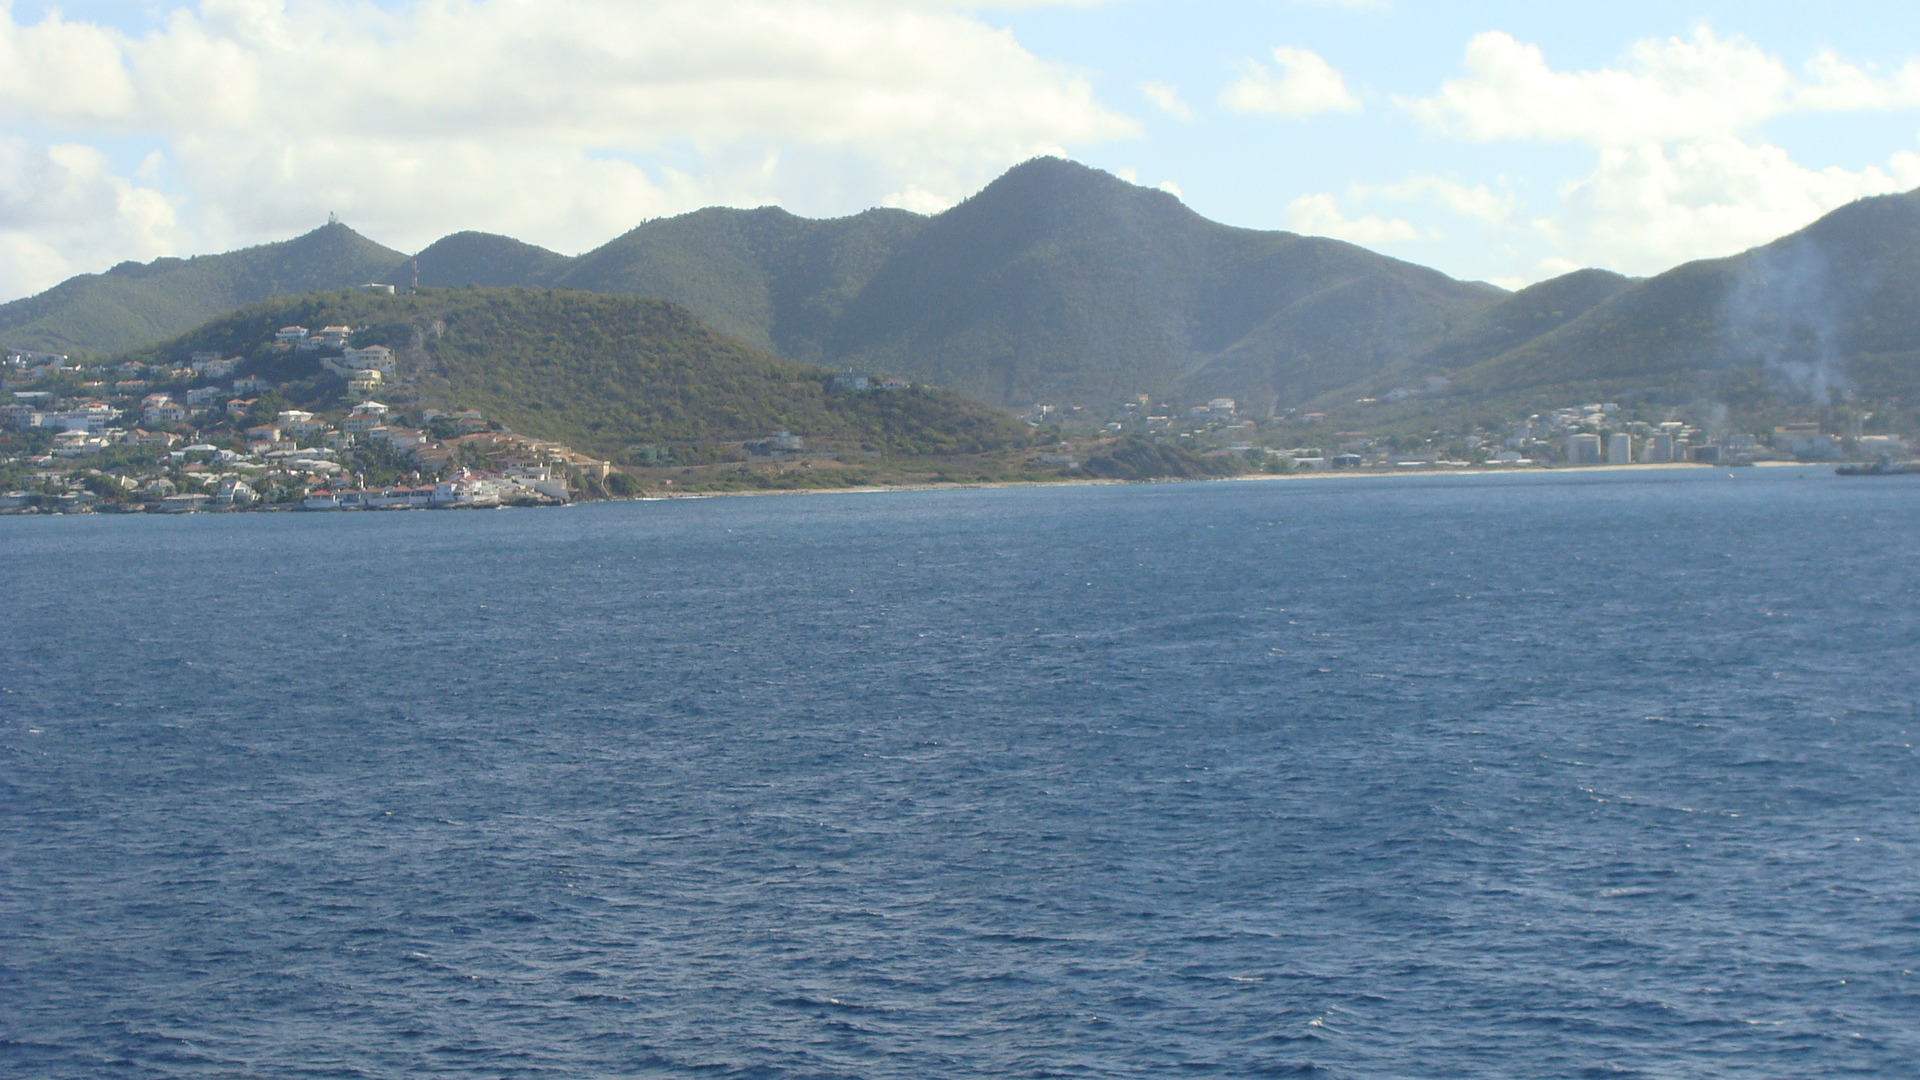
x,y
1569,774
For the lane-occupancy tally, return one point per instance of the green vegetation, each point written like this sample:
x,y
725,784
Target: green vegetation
x,y
1061,284
607,375
474,258
1822,318
1136,458
133,305
1057,283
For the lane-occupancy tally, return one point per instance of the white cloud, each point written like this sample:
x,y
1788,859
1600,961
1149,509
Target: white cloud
x,y
1672,89
551,119
1320,215
1681,171
1305,85
1669,89
62,209
1166,98
1172,189
917,199
1647,208
1477,201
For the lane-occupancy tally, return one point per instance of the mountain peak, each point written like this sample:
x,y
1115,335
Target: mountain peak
x,y
1059,178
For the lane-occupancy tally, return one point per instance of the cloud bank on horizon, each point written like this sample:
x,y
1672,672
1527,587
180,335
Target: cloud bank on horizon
x,y
126,134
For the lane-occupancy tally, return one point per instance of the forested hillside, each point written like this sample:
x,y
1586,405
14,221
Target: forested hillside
x,y
602,373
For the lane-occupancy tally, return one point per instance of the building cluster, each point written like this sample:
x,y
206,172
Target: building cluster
x,y
848,380
181,437
465,488
505,469
1599,433
1594,436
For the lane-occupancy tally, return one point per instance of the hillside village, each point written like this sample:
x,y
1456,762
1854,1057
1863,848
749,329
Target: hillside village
x,y
175,439
1591,434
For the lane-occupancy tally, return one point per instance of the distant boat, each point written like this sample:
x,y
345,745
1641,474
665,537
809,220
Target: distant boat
x,y
1882,467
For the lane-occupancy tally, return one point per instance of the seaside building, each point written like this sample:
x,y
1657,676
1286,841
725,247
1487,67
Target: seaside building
x,y
1619,448
1583,449
1805,441
1657,449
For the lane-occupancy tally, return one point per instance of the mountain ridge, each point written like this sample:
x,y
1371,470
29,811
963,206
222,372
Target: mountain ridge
x,y
1056,282
1062,284
134,304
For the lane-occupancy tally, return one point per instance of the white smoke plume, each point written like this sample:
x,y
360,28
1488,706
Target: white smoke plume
x,y
1784,311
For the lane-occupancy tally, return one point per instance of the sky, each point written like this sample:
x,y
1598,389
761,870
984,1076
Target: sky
x,y
1505,142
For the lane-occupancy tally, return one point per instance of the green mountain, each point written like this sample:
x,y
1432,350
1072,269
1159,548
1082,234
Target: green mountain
x,y
134,304
1522,317
602,373
1062,284
1056,283
1829,313
476,258
774,280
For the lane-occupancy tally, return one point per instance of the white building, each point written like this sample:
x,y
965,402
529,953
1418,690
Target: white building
x,y
92,418
1583,449
1619,448
1657,449
372,358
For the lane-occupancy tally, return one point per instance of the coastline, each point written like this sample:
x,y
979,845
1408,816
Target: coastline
x,y
1303,475
879,489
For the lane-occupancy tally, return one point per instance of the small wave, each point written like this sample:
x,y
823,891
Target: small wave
x,y
800,1001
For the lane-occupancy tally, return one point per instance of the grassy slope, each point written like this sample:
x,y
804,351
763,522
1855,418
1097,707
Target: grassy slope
x,y
604,373
133,304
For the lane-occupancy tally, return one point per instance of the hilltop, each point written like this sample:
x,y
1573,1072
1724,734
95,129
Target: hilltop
x,y
136,304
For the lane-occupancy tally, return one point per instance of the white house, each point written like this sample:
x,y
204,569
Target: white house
x,y
372,358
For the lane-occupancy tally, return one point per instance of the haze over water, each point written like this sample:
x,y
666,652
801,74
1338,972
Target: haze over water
x,y
1604,774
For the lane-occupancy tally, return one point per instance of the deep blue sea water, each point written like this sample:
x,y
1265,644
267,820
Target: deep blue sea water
x,y
1556,775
